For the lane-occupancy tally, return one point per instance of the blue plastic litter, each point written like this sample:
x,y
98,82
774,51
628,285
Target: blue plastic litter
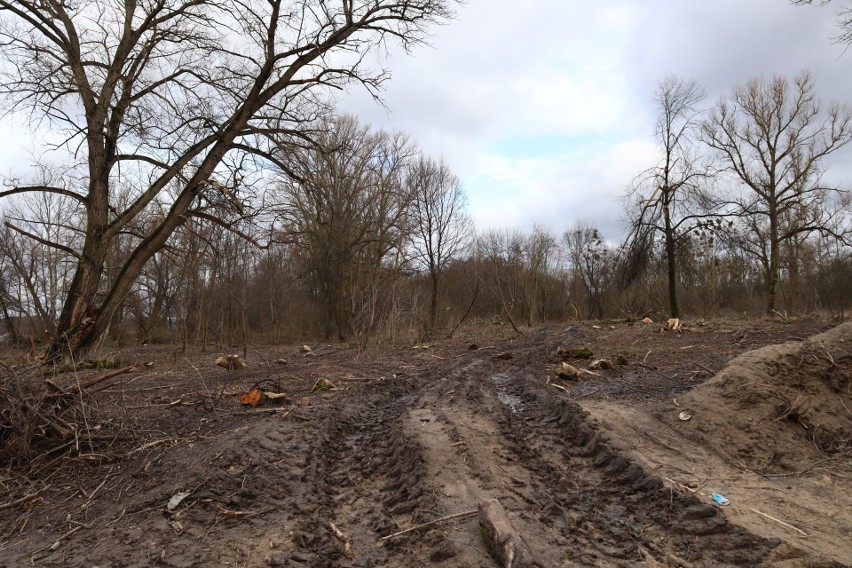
x,y
721,499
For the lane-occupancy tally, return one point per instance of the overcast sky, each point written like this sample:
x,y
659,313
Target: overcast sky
x,y
544,108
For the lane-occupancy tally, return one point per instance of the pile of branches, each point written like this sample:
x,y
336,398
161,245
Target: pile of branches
x,y
37,416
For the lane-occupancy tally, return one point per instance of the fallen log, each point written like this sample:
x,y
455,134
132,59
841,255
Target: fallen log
x,y
503,541
92,382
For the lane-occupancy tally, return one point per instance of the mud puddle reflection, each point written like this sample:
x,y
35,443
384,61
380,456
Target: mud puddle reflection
x,y
511,401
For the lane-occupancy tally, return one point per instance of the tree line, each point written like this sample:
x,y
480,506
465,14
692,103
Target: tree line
x,y
213,196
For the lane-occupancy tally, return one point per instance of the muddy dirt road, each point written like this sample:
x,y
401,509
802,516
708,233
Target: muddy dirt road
x,y
322,482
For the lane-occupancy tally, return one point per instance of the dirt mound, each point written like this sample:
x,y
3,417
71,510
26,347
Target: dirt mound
x,y
779,409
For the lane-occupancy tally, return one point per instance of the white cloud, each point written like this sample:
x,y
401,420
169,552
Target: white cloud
x,y
546,111
544,108
557,190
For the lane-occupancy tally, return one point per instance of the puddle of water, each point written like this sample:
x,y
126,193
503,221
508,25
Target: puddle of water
x,y
510,400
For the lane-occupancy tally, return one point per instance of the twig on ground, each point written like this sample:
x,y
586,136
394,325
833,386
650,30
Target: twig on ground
x,y
147,446
59,540
844,406
659,372
681,485
782,316
780,522
239,514
24,499
347,544
431,523
590,393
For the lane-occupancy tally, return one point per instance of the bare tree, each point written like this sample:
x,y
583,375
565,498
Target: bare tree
x,y
592,263
540,257
345,206
675,179
844,18
38,233
502,252
773,136
442,227
160,94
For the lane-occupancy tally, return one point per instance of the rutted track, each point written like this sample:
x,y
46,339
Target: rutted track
x,y
386,456
413,450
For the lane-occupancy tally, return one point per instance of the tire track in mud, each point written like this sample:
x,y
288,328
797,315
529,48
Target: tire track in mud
x,y
386,456
576,498
401,453
406,452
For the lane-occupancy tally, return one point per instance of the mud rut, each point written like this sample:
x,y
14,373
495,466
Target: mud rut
x,y
394,454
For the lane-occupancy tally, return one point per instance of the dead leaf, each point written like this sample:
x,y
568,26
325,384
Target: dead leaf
x,y
176,500
33,502
251,398
274,395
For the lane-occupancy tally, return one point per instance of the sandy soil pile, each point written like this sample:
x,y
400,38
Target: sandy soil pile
x,y
779,409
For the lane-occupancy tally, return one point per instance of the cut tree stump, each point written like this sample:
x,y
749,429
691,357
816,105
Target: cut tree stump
x,y
503,541
230,362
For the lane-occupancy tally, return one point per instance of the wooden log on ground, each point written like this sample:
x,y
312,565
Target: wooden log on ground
x,y
92,382
503,541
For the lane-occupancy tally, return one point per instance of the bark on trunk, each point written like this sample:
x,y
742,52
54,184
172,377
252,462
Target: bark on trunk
x,y
433,305
671,261
772,277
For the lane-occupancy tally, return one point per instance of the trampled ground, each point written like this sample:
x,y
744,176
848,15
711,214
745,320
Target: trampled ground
x,y
596,471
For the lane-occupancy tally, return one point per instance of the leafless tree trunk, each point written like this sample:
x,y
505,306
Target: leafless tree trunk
x,y
673,181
